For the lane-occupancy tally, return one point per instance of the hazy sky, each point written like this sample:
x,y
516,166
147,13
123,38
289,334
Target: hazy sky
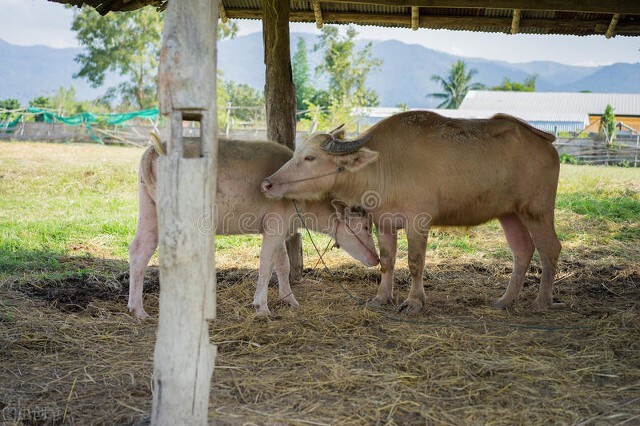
x,y
29,22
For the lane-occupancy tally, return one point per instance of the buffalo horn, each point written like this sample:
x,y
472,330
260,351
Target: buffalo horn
x,y
335,146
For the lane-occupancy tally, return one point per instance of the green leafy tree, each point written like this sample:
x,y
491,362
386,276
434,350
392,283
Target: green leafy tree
x,y
41,102
8,104
248,102
455,85
222,100
528,85
346,68
65,102
608,125
127,43
301,76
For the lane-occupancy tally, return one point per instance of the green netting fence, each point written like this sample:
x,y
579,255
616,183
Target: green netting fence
x,y
83,119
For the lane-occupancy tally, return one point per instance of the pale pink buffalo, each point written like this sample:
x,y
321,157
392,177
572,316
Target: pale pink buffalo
x,y
418,169
241,208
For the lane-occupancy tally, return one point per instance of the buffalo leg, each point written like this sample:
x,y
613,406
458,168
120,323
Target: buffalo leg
x,y
388,242
417,250
522,248
270,245
142,247
548,246
282,272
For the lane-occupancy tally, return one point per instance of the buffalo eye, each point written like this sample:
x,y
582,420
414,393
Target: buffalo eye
x,y
309,158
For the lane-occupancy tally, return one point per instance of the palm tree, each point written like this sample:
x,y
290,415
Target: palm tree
x,y
455,85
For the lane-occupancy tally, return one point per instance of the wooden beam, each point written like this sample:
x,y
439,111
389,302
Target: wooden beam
x,y
415,18
631,7
515,21
611,31
317,12
280,95
223,14
449,22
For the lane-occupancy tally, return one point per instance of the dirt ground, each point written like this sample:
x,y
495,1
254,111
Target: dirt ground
x,y
71,354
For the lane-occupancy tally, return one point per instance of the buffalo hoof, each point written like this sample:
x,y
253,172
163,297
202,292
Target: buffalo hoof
x,y
376,302
290,299
410,307
139,313
262,311
501,304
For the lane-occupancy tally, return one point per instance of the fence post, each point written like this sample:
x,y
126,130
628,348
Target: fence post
x,y
227,125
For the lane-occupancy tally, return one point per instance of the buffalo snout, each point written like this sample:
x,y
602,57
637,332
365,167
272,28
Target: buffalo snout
x,y
266,187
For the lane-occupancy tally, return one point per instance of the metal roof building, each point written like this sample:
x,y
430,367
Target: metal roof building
x,y
556,122
553,111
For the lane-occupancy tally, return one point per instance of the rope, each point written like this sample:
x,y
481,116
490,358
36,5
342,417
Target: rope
x,y
338,170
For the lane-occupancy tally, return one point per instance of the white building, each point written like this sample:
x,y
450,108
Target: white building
x,y
549,111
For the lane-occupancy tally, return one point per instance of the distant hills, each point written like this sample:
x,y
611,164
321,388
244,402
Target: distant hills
x,y
27,72
405,76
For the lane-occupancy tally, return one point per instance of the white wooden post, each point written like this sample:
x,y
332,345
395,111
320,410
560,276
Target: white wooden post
x,y
184,358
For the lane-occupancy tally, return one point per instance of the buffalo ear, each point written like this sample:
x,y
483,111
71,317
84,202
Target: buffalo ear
x,y
358,159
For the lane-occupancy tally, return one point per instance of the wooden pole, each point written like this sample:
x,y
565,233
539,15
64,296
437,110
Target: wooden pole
x,y
317,12
611,31
415,18
280,96
184,358
515,21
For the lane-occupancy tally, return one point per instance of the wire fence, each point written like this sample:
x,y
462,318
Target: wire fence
x,y
623,151
44,124
249,123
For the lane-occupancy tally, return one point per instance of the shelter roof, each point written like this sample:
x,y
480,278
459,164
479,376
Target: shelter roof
x,y
567,17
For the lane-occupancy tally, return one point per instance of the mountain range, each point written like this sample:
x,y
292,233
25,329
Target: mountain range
x,y
404,77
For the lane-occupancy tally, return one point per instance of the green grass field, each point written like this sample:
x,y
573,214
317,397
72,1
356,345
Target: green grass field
x,y
71,199
71,354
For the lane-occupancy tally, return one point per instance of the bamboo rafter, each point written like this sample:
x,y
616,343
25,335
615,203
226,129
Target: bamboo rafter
x,y
611,31
223,13
515,22
317,13
415,18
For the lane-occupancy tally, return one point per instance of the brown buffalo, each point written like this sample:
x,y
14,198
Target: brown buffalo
x,y
417,169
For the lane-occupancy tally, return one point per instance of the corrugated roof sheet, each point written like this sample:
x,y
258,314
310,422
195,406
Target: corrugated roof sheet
x,y
570,117
573,117
447,14
552,103
558,122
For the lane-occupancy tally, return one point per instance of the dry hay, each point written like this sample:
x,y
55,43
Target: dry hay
x,y
71,354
